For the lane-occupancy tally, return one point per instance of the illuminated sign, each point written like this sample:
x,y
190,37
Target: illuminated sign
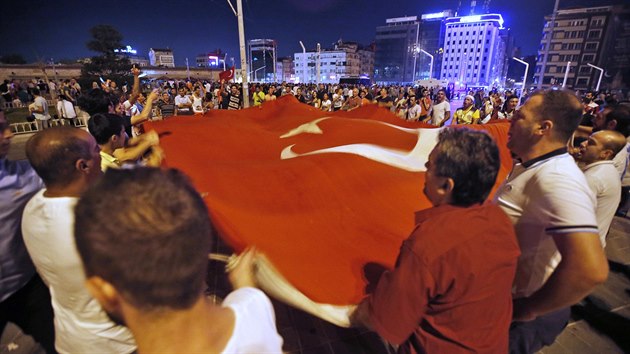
x,y
401,19
475,18
470,19
436,15
127,50
213,60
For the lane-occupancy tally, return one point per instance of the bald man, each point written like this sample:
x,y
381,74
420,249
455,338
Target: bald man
x,y
596,160
68,161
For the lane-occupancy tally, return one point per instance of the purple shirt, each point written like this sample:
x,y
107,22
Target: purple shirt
x,y
18,183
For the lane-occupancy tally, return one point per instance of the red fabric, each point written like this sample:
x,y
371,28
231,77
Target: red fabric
x,y
451,289
318,218
227,75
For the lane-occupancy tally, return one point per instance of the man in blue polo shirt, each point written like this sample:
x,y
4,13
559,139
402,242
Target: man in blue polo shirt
x,y
24,299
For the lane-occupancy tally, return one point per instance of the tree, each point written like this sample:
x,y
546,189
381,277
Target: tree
x,y
12,59
105,39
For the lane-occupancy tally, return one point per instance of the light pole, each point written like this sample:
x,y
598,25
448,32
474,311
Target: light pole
x,y
601,74
303,61
254,72
552,25
241,42
566,74
319,53
523,88
430,64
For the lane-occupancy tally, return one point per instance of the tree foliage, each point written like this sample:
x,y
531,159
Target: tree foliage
x,y
105,39
12,59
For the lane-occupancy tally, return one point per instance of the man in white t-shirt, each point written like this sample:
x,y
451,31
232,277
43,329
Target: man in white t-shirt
x,y
553,211
183,103
39,108
596,157
146,264
68,161
441,111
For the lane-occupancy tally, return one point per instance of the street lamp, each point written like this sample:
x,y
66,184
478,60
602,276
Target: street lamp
x,y
241,41
430,65
303,60
520,97
601,74
566,74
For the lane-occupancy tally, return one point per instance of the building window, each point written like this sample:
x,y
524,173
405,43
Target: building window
x,y
588,57
594,34
591,46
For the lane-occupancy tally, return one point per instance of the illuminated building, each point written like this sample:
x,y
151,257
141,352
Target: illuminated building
x,y
431,39
475,50
133,56
213,60
161,57
394,59
344,60
596,35
262,59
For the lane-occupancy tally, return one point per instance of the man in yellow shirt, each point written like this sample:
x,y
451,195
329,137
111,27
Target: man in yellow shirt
x,y
468,114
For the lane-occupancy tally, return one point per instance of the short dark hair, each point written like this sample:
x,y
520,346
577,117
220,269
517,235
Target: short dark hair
x,y
53,153
471,159
562,108
621,114
95,101
35,91
105,125
148,233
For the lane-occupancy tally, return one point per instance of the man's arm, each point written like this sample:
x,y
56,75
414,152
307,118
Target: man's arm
x,y
399,301
146,111
135,90
137,147
582,268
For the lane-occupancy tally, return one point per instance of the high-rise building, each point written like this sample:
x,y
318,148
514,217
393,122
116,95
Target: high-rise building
x,y
598,36
394,59
474,50
161,57
213,60
284,70
431,40
339,62
262,60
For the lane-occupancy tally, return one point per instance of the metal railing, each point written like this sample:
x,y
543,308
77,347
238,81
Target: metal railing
x,y
31,127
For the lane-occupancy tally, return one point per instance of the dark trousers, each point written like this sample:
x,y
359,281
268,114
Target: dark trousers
x,y
530,337
30,309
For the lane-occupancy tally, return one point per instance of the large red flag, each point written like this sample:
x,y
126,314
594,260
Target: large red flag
x,y
324,195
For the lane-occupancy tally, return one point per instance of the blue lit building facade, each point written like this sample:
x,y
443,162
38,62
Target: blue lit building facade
x,y
475,51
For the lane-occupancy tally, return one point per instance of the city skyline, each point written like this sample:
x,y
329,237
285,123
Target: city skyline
x,y
60,30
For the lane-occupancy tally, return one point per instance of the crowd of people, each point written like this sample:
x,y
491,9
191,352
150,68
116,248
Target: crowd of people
x,y
94,234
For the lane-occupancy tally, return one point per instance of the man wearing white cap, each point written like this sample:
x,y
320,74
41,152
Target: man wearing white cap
x,y
467,114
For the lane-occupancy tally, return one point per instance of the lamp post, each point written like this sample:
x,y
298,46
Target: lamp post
x,y
552,25
520,97
430,64
566,74
319,53
303,61
241,42
601,74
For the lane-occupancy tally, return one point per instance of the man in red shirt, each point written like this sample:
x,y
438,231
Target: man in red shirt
x,y
450,291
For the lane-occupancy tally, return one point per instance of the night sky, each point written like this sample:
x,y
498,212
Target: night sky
x,y
59,29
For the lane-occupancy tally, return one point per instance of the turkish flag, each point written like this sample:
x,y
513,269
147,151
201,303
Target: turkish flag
x,y
227,75
327,197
